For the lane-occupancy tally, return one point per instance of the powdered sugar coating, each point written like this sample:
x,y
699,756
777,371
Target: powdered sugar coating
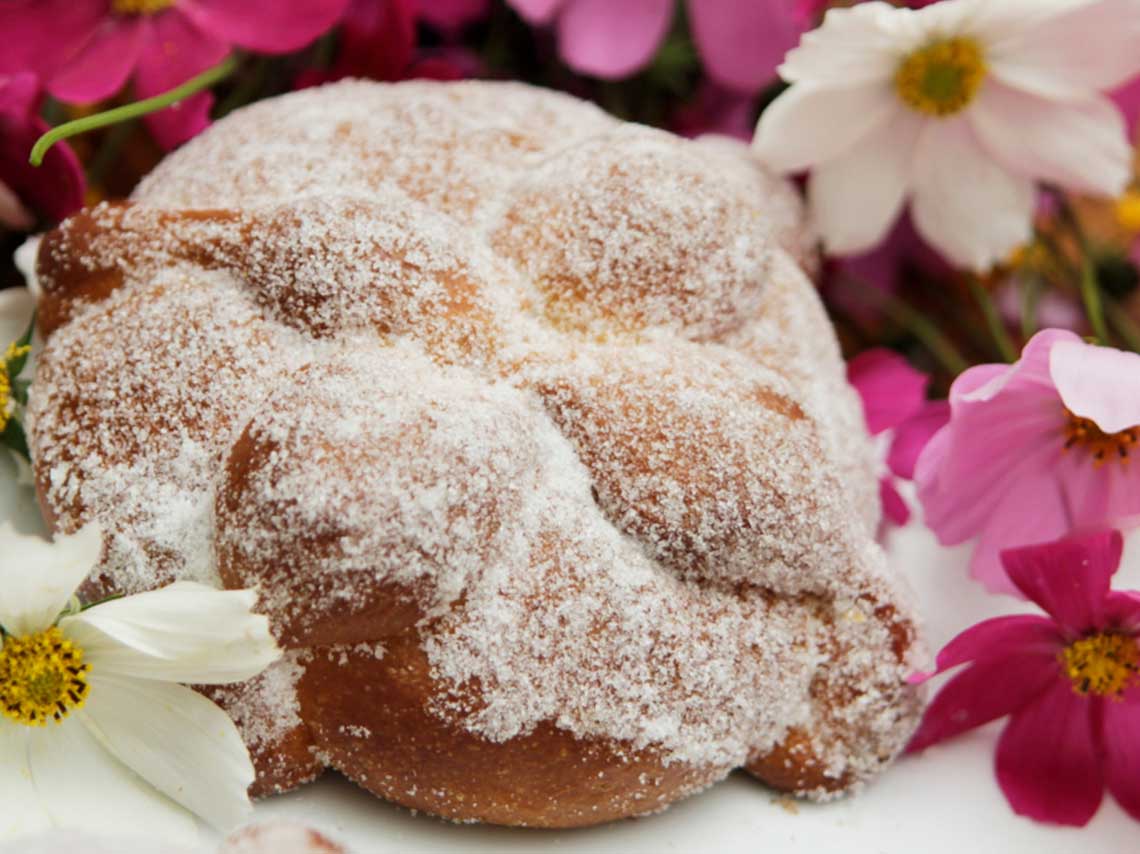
x,y
481,361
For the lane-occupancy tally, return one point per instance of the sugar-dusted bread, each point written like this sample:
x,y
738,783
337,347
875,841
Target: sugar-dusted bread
x,y
526,424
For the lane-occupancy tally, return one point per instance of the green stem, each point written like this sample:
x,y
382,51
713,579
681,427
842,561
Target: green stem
x,y
926,331
1090,293
132,111
1090,287
1128,329
1030,299
993,320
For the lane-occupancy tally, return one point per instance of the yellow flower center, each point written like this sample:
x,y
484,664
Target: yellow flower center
x,y
1101,446
42,677
140,7
1103,664
12,354
942,78
1128,211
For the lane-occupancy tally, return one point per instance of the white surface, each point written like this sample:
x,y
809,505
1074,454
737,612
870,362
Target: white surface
x,y
944,801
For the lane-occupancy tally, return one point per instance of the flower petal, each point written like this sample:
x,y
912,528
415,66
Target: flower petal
x,y
987,690
37,578
44,35
101,68
176,740
808,125
853,47
1070,578
268,26
1092,46
184,632
965,204
1098,383
537,12
24,811
1079,144
890,388
612,40
1047,761
1023,634
742,43
1120,735
913,435
856,197
176,51
895,508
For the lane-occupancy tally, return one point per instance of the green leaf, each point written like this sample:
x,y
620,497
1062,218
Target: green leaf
x,y
13,437
20,391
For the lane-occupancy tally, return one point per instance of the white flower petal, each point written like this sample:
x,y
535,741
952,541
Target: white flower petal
x,y
184,632
176,740
21,808
856,198
965,204
808,125
16,308
854,46
1088,46
37,578
79,785
1077,144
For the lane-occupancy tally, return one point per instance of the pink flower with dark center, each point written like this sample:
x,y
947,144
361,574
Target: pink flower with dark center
x,y
85,50
1068,682
29,194
1035,450
896,409
740,43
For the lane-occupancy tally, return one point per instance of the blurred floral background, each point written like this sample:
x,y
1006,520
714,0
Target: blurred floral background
x,y
693,67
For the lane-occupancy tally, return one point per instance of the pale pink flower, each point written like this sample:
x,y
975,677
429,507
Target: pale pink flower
x,y
86,50
740,43
1068,683
1035,450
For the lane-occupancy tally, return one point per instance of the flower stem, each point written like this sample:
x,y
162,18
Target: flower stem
x,y
1125,326
132,111
993,320
1090,293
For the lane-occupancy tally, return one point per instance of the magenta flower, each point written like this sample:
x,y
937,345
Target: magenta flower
x,y
85,50
29,194
1035,450
740,43
895,407
1068,683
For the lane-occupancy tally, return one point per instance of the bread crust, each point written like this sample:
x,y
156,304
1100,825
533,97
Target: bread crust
x,y
527,426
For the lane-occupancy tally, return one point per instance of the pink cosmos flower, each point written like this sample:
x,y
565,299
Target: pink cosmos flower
x,y
1035,450
1068,682
740,43
85,50
1127,98
895,407
27,194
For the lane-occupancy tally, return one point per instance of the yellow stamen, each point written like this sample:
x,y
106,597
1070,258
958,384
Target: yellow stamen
x,y
12,353
1101,446
1104,664
1128,211
139,7
942,78
42,678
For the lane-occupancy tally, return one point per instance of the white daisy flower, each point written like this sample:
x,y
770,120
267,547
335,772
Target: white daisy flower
x,y
959,107
86,695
